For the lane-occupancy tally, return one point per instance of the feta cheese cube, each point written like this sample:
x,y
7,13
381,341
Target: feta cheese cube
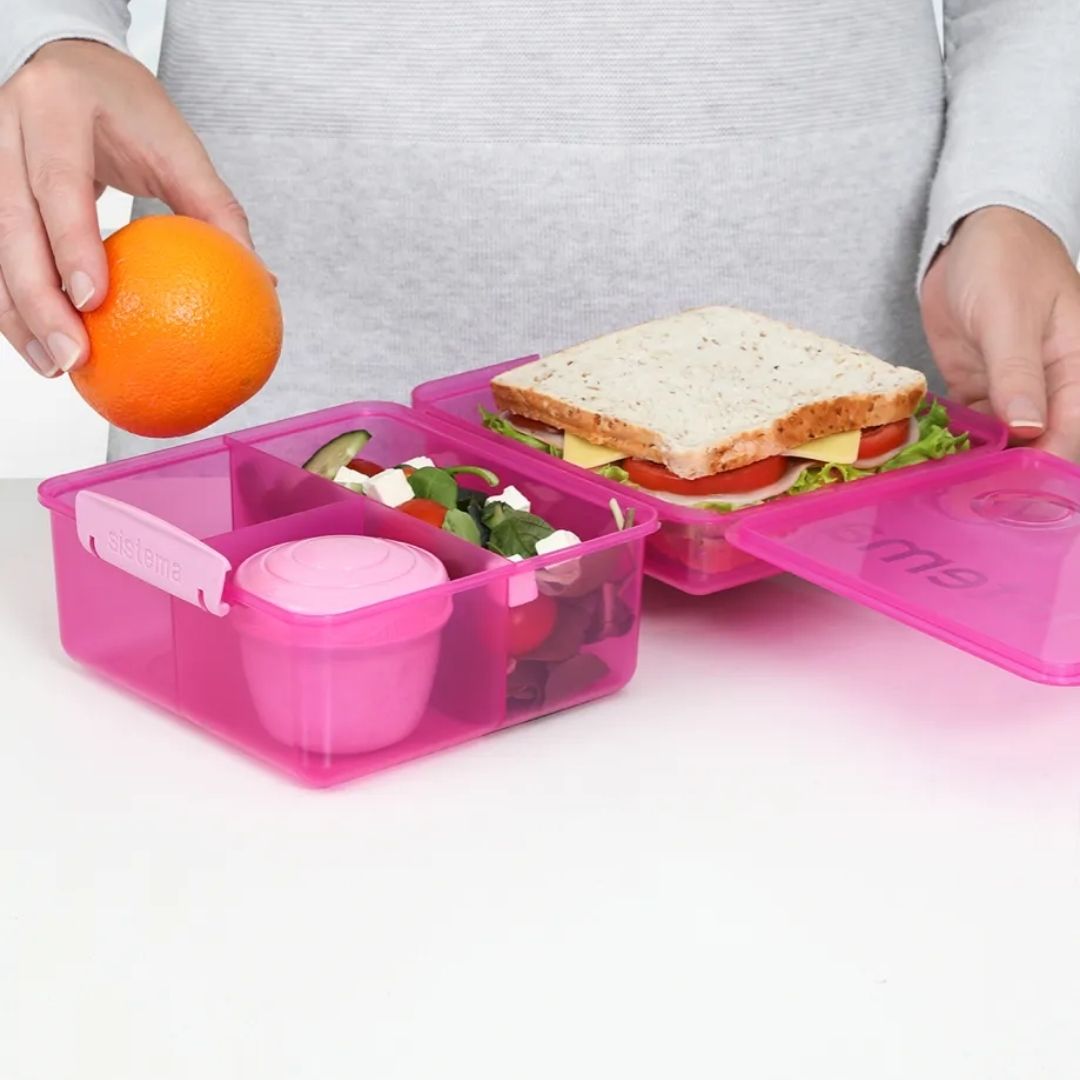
x,y
345,475
515,558
390,487
513,498
420,463
557,541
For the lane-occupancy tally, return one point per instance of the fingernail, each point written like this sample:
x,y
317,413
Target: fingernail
x,y
80,289
1023,414
39,359
64,351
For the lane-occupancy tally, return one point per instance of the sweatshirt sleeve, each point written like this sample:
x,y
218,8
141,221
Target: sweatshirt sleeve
x,y
1012,135
29,24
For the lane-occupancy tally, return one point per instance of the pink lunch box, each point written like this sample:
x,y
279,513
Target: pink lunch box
x,y
981,549
691,551
314,628
197,578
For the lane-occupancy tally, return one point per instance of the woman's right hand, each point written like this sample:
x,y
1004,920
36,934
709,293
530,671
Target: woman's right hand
x,y
76,118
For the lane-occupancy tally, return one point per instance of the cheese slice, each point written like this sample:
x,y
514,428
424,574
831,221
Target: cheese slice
x,y
579,452
842,448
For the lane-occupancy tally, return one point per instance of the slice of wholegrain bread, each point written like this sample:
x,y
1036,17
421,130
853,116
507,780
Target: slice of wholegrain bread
x,y
710,389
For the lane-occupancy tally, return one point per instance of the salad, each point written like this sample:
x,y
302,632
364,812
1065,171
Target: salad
x,y
500,521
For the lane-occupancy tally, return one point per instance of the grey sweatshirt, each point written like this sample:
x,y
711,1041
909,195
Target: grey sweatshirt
x,y
443,185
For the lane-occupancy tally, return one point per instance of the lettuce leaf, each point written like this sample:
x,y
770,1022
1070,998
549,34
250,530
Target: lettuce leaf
x,y
501,426
818,476
722,507
935,442
614,472
935,439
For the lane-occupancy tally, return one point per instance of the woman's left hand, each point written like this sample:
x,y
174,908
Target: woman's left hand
x,y
1001,308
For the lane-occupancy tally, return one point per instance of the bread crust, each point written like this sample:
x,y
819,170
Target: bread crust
x,y
811,421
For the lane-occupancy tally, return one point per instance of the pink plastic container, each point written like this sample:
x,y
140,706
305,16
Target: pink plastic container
x,y
691,551
163,586
357,687
983,554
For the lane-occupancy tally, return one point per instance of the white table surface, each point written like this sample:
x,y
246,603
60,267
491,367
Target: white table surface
x,y
805,842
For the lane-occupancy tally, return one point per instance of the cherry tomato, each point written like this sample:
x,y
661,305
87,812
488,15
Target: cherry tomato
x,y
882,439
653,477
426,510
531,624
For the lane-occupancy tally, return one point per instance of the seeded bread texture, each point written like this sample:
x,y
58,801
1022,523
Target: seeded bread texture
x,y
711,389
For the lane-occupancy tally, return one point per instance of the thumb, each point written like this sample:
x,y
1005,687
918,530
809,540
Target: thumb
x,y
1013,354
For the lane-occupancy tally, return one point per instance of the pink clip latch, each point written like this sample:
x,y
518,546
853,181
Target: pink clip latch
x,y
152,550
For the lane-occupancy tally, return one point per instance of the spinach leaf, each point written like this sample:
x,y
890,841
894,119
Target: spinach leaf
x,y
486,475
473,503
514,532
461,523
494,512
435,484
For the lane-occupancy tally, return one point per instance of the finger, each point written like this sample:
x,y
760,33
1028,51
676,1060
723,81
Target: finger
x,y
962,368
18,333
1063,431
190,185
1063,380
1012,350
58,145
27,264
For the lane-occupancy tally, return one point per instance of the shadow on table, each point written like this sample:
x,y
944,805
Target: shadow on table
x,y
813,635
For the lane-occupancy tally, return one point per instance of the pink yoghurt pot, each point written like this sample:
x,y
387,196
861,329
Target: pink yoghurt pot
x,y
327,683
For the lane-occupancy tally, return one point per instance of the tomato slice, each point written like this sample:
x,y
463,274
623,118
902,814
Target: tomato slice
x,y
649,475
426,510
365,468
369,468
531,624
526,424
883,438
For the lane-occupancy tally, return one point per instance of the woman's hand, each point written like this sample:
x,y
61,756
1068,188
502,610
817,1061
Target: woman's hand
x,y
1001,308
76,118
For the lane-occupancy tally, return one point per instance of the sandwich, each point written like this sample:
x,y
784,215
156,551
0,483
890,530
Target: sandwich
x,y
720,409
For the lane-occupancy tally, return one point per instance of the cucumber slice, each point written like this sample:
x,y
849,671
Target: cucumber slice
x,y
337,453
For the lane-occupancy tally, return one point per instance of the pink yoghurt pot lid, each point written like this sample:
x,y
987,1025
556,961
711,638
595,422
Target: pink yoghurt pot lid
x,y
331,575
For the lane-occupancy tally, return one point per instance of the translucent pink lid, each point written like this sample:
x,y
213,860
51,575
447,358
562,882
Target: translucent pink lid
x,y
984,554
330,575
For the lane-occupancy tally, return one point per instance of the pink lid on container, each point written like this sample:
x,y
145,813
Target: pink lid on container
x,y
982,552
331,575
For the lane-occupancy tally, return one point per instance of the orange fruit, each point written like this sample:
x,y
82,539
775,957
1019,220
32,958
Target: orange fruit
x,y
190,329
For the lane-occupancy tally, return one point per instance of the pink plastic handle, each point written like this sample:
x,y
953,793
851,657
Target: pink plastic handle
x,y
152,550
